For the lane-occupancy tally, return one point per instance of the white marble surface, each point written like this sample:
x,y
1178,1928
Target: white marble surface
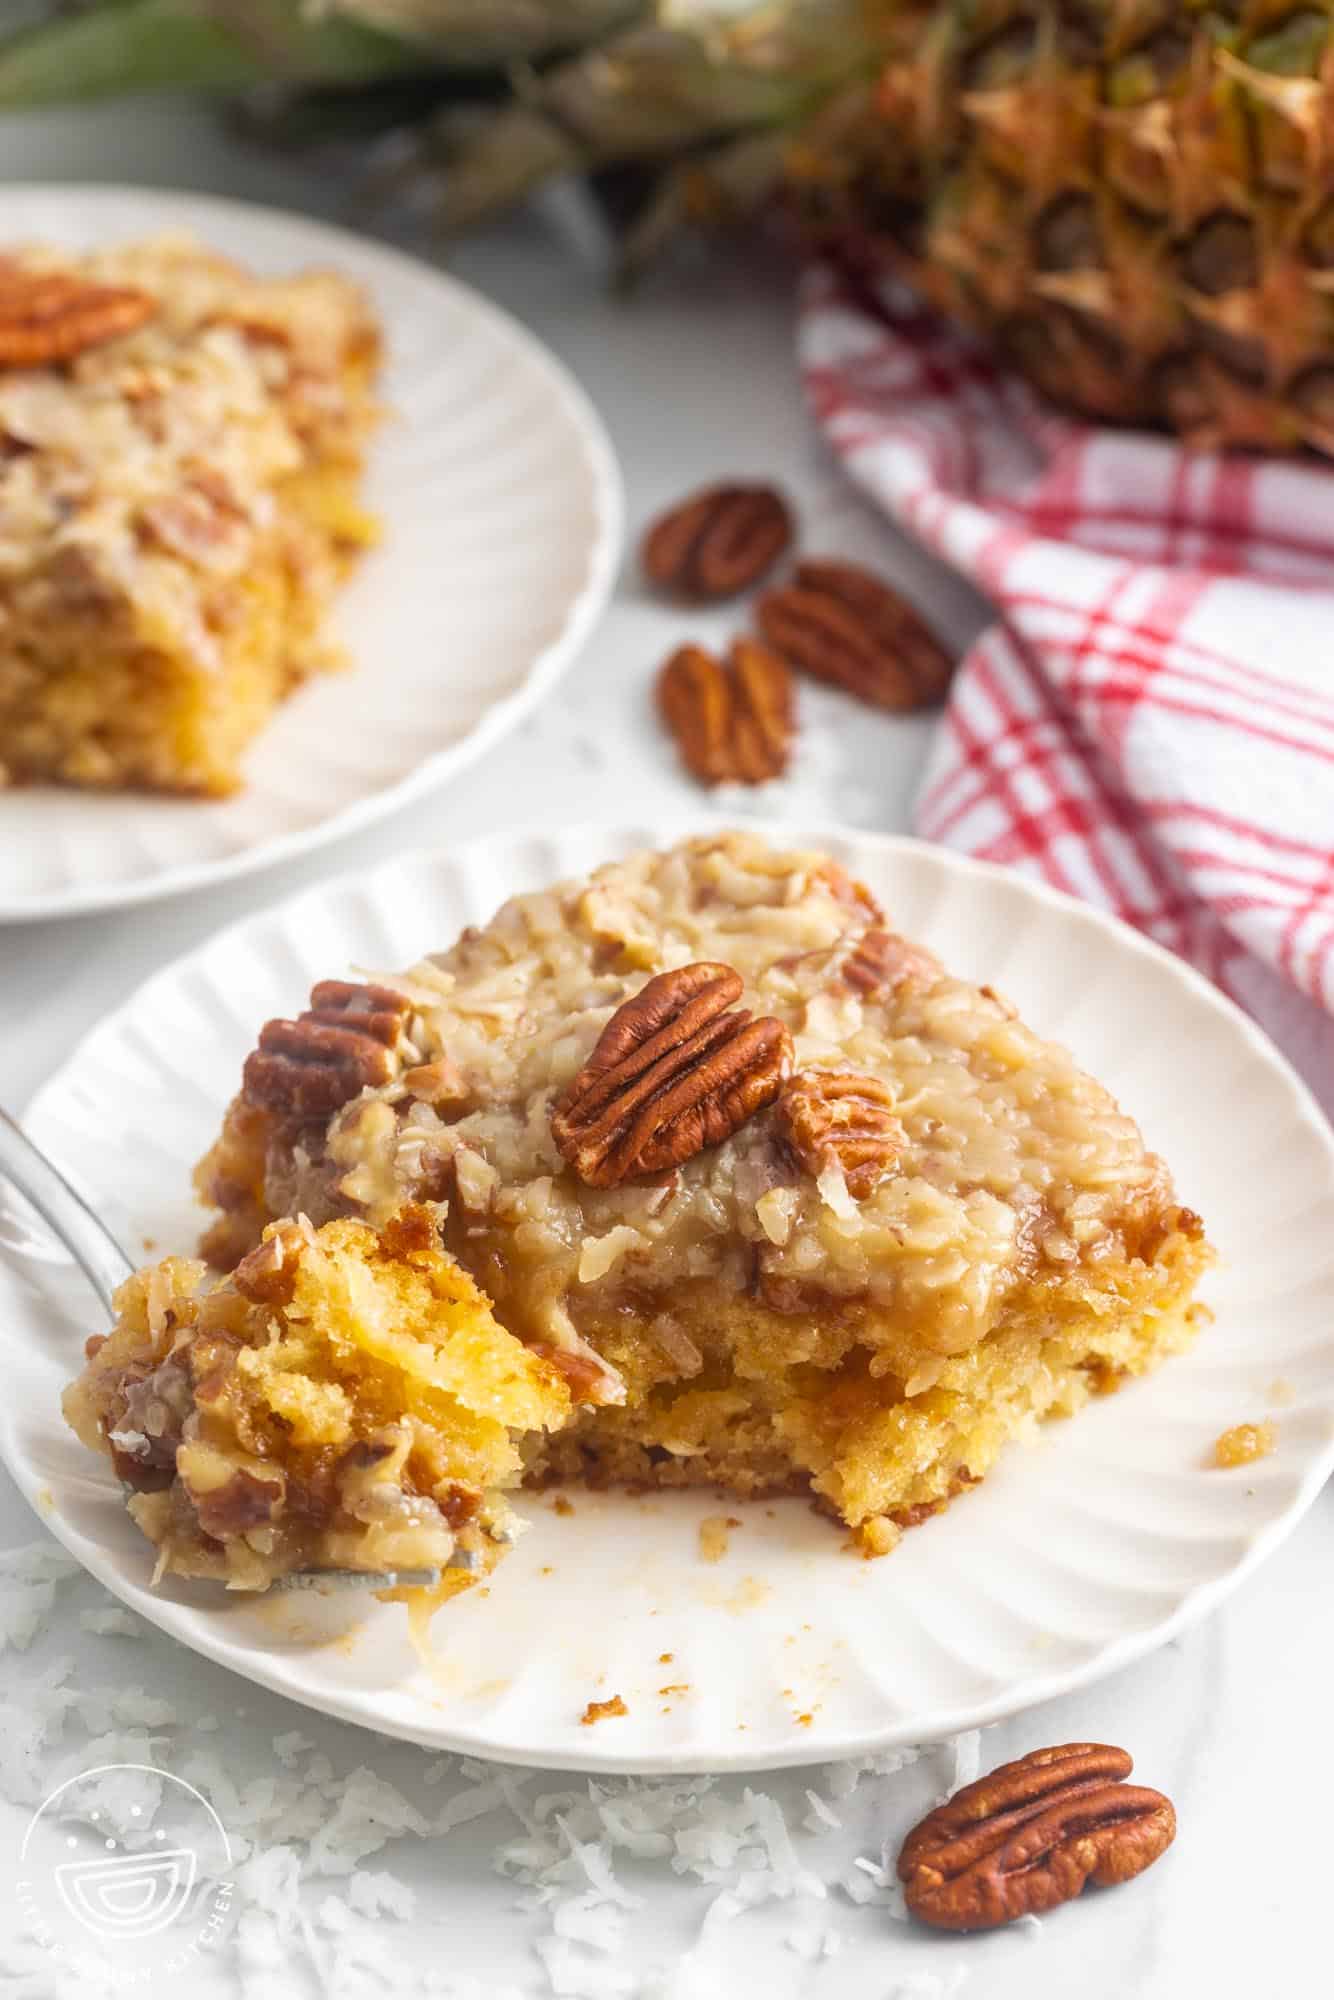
x,y
694,377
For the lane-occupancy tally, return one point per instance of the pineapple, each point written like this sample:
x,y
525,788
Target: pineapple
x,y
1134,199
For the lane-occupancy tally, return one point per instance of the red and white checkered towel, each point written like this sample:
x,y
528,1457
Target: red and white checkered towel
x,y
1150,723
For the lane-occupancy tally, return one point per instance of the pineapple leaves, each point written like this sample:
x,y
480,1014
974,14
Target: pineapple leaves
x,y
192,45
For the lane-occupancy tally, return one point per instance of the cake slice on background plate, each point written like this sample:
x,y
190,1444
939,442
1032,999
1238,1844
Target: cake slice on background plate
x,y
181,446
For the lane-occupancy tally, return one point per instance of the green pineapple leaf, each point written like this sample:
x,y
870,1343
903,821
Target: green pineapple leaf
x,y
124,45
102,47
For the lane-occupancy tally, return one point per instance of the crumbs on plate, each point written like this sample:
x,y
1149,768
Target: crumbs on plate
x,y
1244,1443
599,1711
713,1533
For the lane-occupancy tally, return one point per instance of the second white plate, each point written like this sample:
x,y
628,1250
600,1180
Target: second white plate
x,y
1077,1555
501,509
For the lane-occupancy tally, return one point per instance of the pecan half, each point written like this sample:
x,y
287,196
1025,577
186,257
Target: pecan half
x,y
50,316
835,1117
717,542
677,1068
1030,1835
308,1068
733,723
840,624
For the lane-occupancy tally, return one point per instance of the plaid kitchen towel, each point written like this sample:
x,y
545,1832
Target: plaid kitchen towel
x,y
1150,723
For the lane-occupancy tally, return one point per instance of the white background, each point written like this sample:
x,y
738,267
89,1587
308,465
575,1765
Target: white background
x,y
694,377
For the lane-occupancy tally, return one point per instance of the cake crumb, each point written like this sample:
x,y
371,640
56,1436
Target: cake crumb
x,y
714,1530
877,1536
665,1659
598,1711
561,1505
675,1687
1244,1443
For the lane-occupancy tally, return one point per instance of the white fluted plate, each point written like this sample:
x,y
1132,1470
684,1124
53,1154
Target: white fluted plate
x,y
1080,1553
500,503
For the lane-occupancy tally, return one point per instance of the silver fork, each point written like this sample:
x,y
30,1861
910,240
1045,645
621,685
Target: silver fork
x,y
106,1266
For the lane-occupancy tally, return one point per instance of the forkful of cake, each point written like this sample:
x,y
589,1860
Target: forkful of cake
x,y
342,1411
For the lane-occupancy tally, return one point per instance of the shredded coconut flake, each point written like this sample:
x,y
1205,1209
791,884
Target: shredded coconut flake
x,y
112,1619
378,1893
834,1193
821,1815
603,1869
928,1985
37,1562
289,1746
24,1609
967,1758
598,1253
814,1941
368,1812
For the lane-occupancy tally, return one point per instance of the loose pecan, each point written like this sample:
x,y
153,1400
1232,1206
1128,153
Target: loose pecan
x,y
200,521
846,889
459,1504
678,1067
411,1234
835,1117
1030,1835
50,316
437,1082
839,623
308,1068
717,542
733,723
585,1374
881,961
245,1500
141,1475
267,1274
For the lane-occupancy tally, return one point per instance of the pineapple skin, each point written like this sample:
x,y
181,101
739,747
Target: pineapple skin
x,y
1132,199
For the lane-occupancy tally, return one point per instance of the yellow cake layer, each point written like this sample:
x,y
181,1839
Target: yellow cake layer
x,y
850,1439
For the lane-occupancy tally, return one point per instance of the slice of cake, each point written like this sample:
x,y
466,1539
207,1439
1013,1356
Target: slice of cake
x,y
790,1207
180,450
344,1401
